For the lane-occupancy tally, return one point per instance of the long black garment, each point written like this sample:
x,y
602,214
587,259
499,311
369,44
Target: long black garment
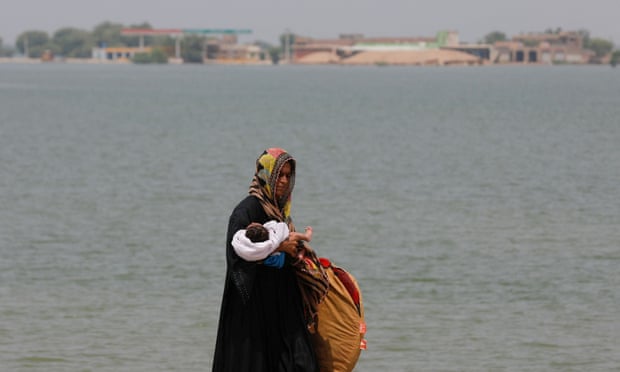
x,y
261,327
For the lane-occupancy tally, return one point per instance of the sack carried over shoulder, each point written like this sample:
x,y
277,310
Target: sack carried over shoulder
x,y
338,335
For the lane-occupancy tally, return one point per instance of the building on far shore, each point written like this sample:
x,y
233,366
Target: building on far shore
x,y
118,54
226,50
355,49
545,48
219,46
443,49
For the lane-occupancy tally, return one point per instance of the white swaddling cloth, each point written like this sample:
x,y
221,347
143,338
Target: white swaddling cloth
x,y
250,251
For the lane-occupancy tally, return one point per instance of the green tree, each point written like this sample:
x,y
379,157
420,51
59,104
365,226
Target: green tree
x,y
193,49
108,34
274,54
585,37
155,56
33,43
494,36
3,50
159,56
287,40
73,42
615,58
600,47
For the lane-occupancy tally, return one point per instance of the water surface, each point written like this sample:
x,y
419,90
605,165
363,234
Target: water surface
x,y
477,207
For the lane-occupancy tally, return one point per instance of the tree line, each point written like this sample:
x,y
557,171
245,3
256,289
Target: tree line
x,y
71,42
74,42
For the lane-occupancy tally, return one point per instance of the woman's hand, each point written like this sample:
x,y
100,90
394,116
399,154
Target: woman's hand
x,y
289,247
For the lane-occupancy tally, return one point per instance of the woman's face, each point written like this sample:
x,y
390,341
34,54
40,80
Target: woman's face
x,y
283,181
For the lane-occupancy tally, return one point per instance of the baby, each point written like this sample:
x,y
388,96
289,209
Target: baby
x,y
258,242
259,233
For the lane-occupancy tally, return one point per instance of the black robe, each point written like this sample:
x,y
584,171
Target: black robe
x,y
261,327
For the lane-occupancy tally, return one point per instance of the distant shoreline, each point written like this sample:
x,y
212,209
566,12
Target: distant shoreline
x,y
90,61
21,60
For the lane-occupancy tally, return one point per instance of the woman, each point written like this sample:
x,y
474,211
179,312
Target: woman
x,y
263,322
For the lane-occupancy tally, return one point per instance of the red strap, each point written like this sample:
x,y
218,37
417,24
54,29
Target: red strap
x,y
348,283
325,262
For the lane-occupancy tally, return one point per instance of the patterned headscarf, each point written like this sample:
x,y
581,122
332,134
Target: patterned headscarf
x,y
268,167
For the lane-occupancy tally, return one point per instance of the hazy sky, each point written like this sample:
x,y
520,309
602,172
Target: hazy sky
x,y
320,18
